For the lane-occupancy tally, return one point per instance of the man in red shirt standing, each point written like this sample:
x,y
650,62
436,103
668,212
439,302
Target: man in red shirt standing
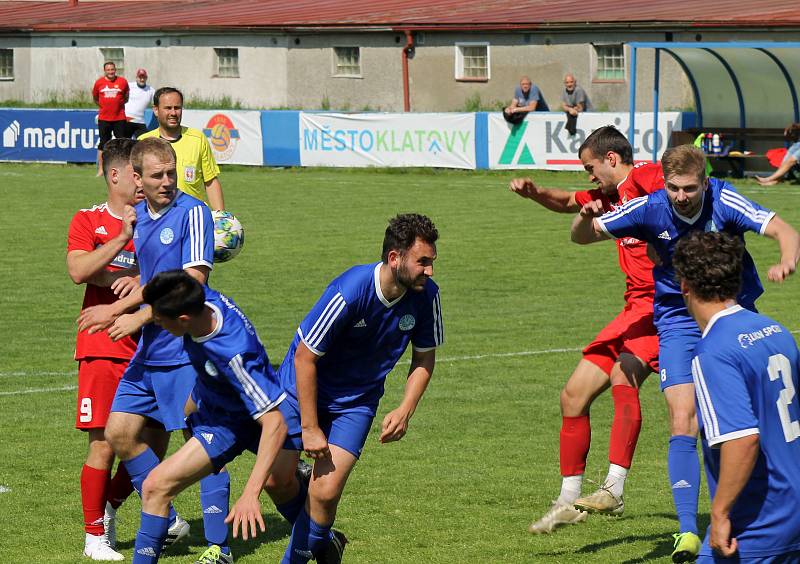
x,y
623,353
100,254
110,93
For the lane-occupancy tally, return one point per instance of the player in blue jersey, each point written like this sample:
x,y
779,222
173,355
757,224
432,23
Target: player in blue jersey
x,y
745,370
173,231
690,202
334,377
232,407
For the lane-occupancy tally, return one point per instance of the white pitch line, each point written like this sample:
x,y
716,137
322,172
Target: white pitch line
x,y
39,390
443,359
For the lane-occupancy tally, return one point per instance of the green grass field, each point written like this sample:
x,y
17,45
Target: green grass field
x,y
480,460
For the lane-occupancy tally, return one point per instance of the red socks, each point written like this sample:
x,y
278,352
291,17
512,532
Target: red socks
x,y
626,425
94,485
575,437
120,487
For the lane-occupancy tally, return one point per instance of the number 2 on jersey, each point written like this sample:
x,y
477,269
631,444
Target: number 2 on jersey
x,y
780,367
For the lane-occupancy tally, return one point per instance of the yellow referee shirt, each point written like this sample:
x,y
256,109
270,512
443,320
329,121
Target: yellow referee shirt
x,y
196,164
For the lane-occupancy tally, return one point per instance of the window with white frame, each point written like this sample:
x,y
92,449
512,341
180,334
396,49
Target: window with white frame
x,y
347,61
472,61
6,64
227,62
610,62
115,55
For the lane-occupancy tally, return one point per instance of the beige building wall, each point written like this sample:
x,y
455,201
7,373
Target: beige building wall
x,y
53,66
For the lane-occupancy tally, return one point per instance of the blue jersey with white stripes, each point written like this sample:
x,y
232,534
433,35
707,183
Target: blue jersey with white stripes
x,y
234,376
179,236
745,371
359,337
653,219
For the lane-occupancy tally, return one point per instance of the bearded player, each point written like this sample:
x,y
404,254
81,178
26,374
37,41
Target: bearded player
x,y
623,353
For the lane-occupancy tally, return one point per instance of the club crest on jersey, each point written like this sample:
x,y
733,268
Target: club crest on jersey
x,y
189,174
407,322
167,236
211,370
711,226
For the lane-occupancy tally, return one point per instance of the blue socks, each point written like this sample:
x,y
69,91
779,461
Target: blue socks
x,y
215,492
308,538
149,538
139,467
291,509
684,475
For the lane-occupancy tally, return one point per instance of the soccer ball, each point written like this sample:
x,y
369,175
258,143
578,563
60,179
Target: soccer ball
x,y
228,236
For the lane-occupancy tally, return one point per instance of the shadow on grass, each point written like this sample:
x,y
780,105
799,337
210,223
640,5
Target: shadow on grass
x,y
195,543
662,549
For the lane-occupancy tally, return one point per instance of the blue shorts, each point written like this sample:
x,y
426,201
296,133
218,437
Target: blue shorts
x,y
158,392
675,353
786,558
347,430
224,438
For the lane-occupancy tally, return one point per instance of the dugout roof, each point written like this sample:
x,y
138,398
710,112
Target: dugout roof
x,y
736,84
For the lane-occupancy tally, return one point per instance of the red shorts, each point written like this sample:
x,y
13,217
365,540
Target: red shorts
x,y
632,331
97,383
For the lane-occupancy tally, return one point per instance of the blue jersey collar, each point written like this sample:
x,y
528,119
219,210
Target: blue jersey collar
x,y
377,277
730,310
693,219
218,327
158,215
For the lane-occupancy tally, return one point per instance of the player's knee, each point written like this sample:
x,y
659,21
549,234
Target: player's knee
x,y
119,439
279,482
157,487
101,450
326,494
682,420
572,404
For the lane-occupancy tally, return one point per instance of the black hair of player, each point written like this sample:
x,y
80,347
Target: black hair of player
x,y
116,152
164,90
404,230
173,293
605,139
710,264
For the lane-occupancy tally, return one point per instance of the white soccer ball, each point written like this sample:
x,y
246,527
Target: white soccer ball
x,y
228,236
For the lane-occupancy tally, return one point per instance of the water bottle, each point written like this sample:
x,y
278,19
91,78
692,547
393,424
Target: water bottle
x,y
707,144
716,145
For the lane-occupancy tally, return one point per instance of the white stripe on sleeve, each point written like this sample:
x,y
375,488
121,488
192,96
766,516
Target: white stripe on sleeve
x,y
704,400
325,320
438,324
250,387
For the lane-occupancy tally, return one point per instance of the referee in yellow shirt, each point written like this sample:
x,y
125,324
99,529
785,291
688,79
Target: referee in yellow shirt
x,y
198,173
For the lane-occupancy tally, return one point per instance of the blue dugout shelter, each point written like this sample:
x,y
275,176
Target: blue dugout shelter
x,y
735,84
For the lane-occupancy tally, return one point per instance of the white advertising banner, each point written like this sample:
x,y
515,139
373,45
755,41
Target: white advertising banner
x,y
234,135
387,140
542,141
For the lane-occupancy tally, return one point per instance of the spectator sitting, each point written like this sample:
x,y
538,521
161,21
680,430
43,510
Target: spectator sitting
x,y
527,98
573,101
792,135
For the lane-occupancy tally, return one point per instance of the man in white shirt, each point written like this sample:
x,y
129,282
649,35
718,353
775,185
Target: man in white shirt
x,y
140,98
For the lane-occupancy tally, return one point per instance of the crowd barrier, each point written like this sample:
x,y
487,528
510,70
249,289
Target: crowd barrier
x,y
480,140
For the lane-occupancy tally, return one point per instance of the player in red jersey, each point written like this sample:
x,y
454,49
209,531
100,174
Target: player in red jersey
x,y
623,353
100,254
110,92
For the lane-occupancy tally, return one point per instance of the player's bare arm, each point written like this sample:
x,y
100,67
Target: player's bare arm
x,y
561,201
214,192
315,443
789,242
585,229
737,460
395,424
89,266
246,512
129,323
